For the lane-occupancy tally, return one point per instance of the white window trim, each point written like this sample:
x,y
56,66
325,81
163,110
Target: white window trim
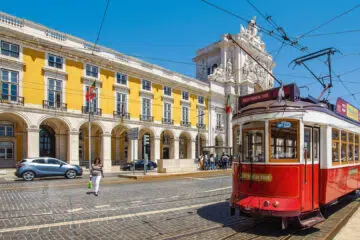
x,y
90,77
20,59
63,69
119,84
171,109
20,90
141,87
189,118
141,105
167,96
46,88
188,100
127,100
200,104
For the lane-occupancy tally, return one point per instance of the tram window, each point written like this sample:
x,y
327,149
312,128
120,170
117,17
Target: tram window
x,y
254,145
344,148
307,143
351,147
335,146
356,152
316,144
283,139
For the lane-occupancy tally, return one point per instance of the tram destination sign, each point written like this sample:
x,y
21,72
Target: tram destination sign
x,y
347,110
291,91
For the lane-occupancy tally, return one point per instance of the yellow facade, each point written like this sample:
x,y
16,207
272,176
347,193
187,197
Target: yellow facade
x,y
34,92
33,79
134,97
107,92
74,96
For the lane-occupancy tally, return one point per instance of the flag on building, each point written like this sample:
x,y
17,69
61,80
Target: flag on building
x,y
228,105
90,94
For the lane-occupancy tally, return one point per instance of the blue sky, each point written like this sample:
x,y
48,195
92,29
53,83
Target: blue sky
x,y
176,29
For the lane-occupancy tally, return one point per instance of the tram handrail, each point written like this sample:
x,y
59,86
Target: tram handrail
x,y
305,157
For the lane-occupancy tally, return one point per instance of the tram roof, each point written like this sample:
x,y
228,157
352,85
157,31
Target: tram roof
x,y
294,103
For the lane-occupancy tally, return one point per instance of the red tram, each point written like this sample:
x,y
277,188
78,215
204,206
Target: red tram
x,y
296,155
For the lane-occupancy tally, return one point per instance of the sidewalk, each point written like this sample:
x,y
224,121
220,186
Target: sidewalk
x,y
351,229
155,175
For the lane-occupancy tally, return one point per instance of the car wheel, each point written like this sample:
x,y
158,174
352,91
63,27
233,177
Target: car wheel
x,y
28,175
70,174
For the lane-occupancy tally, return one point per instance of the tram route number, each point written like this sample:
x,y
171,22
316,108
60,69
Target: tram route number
x,y
283,125
256,177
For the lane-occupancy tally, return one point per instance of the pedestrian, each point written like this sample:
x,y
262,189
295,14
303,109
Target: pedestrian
x,y
201,162
207,162
212,162
96,174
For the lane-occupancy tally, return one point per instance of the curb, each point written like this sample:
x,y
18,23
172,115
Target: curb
x,y
342,223
178,175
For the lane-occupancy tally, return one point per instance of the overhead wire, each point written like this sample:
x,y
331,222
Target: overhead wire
x,y
332,33
329,21
101,24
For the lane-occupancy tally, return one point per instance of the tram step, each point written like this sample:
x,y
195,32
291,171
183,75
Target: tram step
x,y
310,219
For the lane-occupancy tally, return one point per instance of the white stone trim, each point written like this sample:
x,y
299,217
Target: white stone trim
x,y
147,94
46,85
185,102
119,84
127,100
121,88
90,80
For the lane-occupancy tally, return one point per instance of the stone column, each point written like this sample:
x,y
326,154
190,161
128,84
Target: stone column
x,y
73,148
157,148
33,142
176,148
193,148
229,133
106,151
133,150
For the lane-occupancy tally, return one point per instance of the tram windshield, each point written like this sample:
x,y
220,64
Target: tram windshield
x,y
254,142
284,138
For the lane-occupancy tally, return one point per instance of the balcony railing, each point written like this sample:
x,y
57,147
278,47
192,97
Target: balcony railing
x,y
122,115
146,118
11,99
201,126
185,123
168,121
219,128
54,105
94,111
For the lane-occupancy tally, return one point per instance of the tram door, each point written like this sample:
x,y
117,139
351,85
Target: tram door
x,y
311,171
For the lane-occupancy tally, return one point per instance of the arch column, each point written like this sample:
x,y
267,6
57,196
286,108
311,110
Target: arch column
x,y
33,142
73,146
157,148
133,150
176,148
192,149
106,151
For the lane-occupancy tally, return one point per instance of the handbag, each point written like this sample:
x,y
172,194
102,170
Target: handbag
x,y
89,184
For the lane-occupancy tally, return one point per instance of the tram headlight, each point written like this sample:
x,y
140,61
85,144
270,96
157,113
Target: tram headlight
x,y
276,204
266,203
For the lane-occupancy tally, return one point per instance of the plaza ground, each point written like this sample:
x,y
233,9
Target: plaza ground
x,y
180,208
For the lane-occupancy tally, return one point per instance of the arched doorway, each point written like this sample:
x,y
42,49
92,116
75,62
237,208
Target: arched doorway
x,y
53,139
119,146
184,146
202,144
47,141
166,145
146,144
96,143
13,139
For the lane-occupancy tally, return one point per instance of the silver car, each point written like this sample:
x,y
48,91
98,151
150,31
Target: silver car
x,y
30,168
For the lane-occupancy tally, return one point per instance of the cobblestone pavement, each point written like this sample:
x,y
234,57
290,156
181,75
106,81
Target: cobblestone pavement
x,y
187,208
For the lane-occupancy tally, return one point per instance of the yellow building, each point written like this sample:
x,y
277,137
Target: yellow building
x,y
43,111
45,75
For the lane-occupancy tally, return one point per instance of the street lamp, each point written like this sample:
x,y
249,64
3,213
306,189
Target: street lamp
x,y
198,143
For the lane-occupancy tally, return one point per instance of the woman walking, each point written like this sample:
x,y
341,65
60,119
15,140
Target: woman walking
x,y
96,174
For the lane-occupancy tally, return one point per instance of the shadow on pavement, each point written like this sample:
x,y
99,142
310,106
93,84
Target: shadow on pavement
x,y
263,226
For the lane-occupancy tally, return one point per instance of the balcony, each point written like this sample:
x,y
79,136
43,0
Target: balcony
x,y
54,105
122,115
11,99
146,118
185,123
219,128
168,121
94,111
201,126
